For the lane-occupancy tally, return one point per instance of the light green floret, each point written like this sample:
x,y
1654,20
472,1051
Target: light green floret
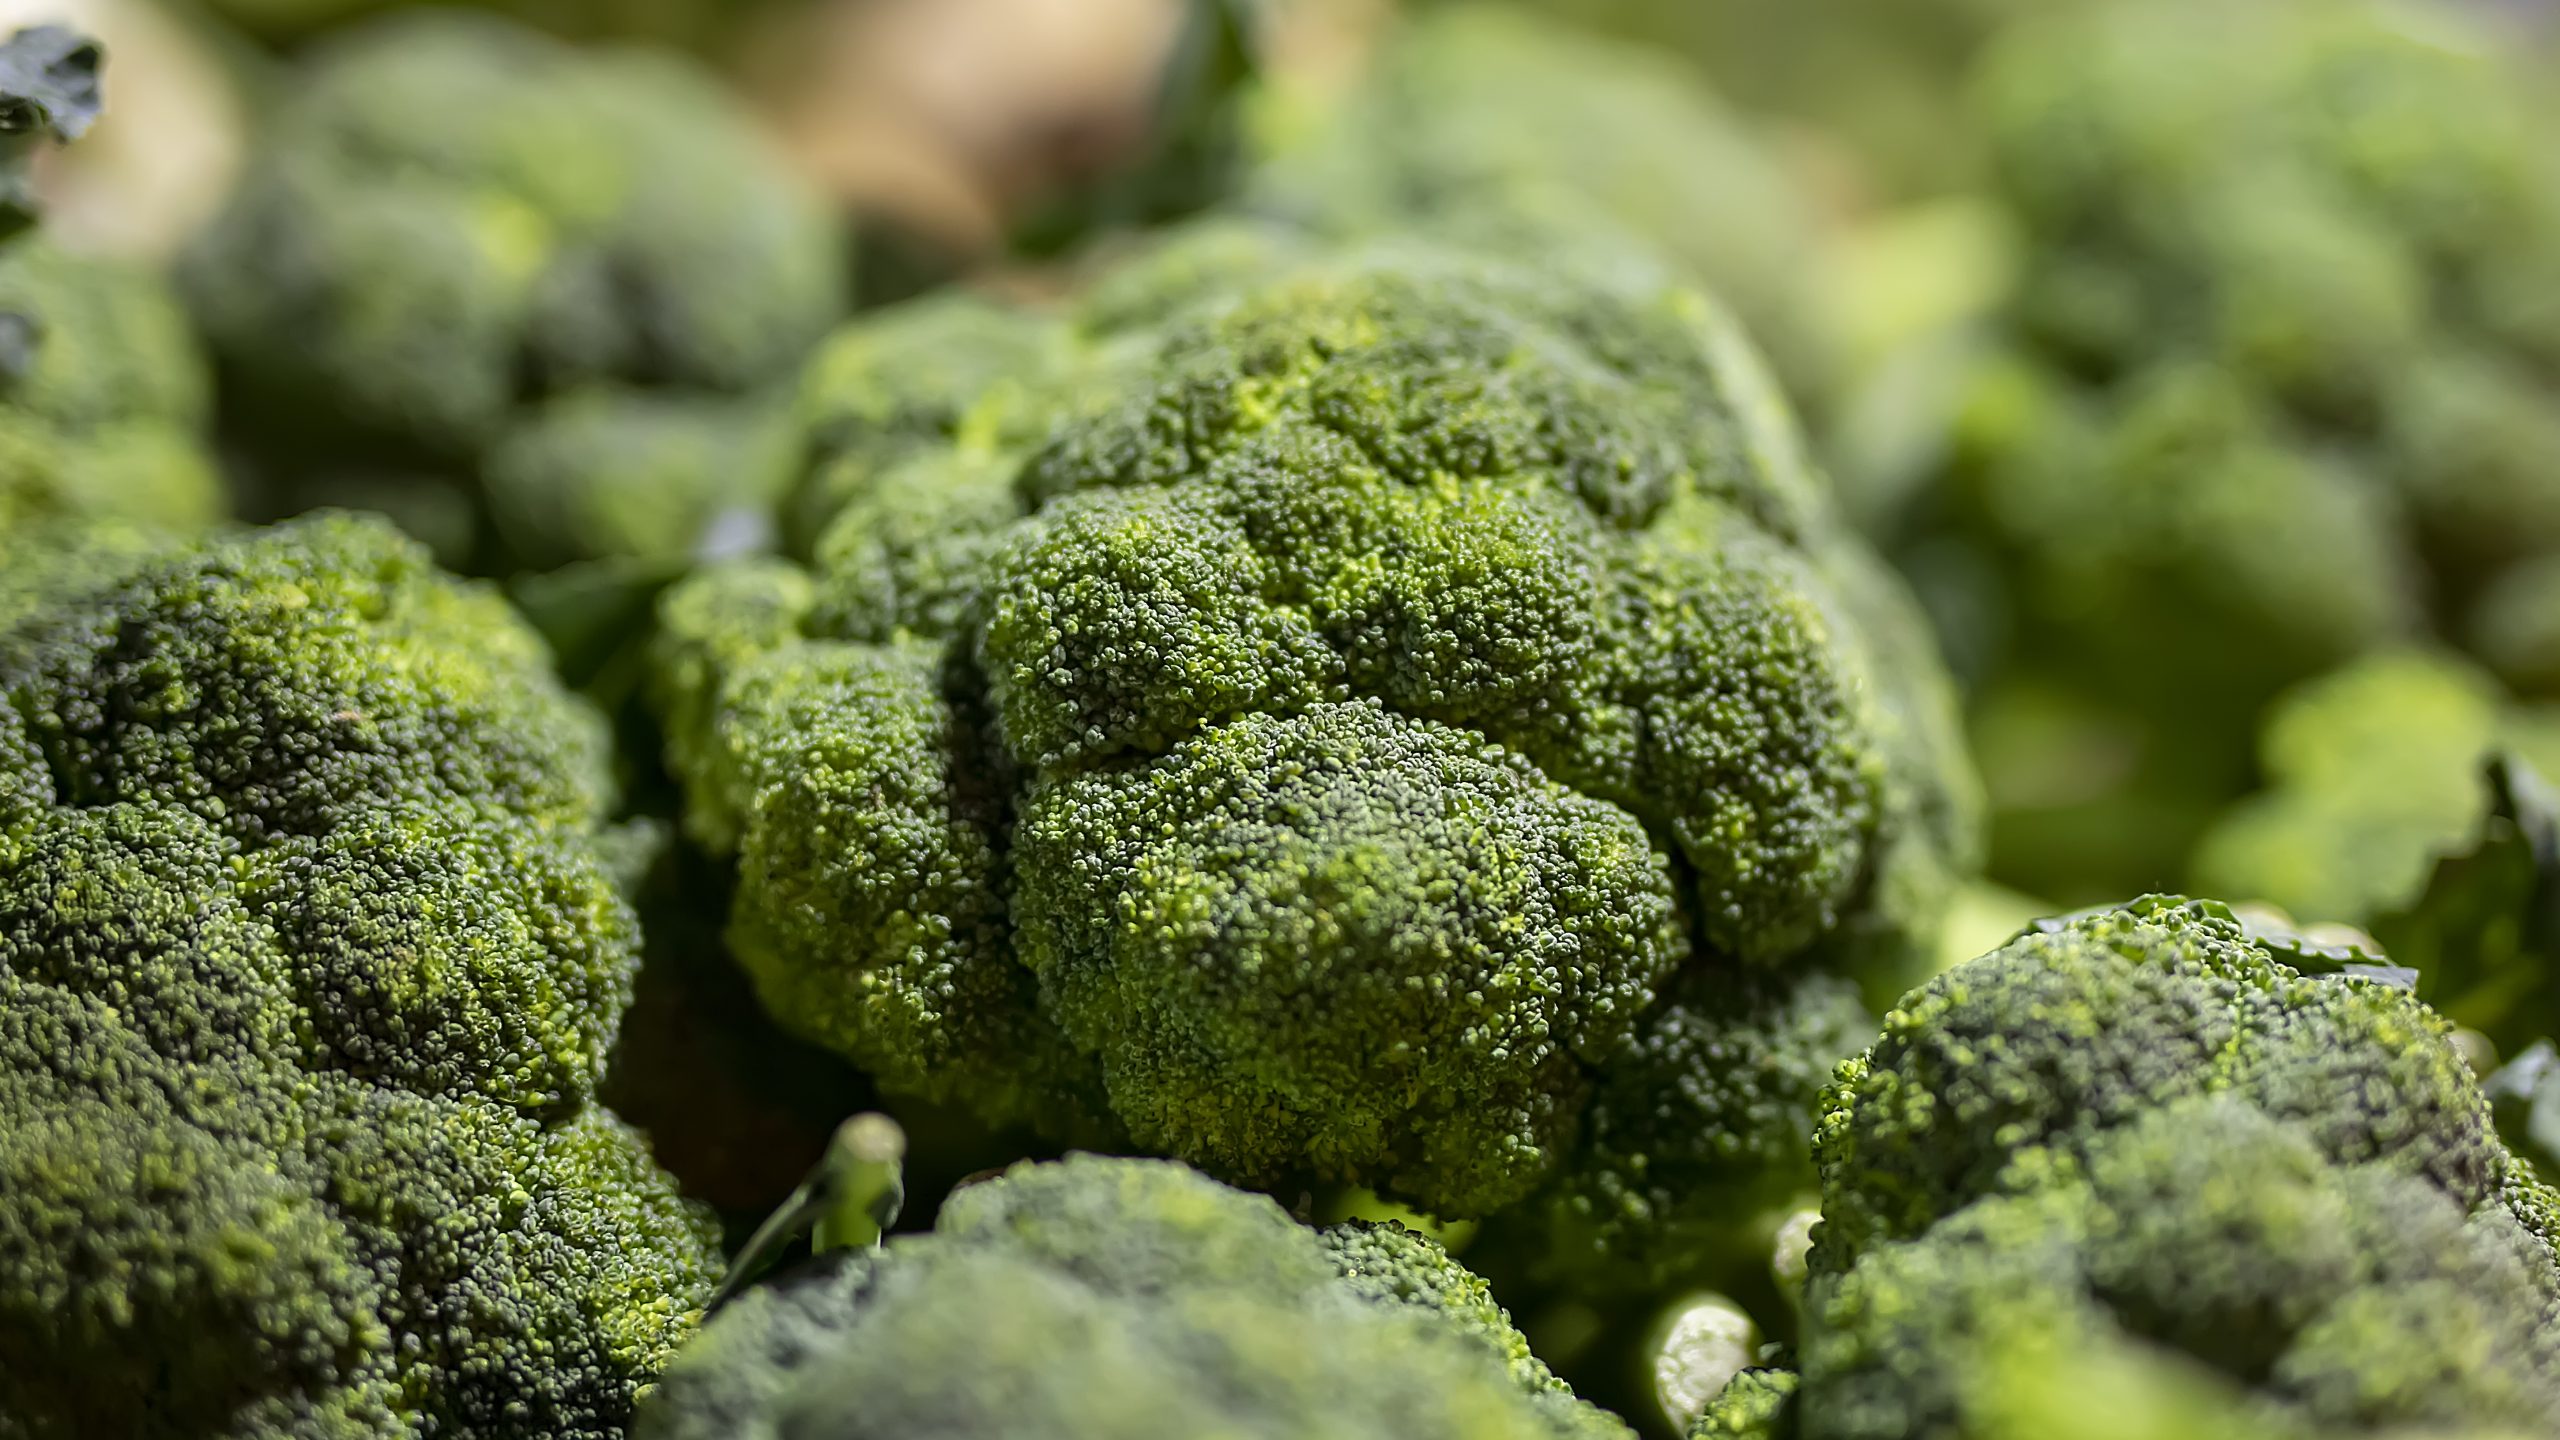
x,y
2373,772
1095,1299
1336,708
103,398
310,960
2141,1146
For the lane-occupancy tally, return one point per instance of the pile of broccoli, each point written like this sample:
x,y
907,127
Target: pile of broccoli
x,y
311,950
523,296
1344,748
2275,387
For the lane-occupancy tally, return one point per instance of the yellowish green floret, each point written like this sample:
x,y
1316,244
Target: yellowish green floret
x,y
1308,716
1107,1299
310,958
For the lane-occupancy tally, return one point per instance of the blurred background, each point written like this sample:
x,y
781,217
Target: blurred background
x,y
2197,361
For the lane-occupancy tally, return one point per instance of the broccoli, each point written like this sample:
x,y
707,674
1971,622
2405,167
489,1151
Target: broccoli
x,y
2146,1147
1096,1297
1491,125
2374,771
2269,392
310,955
471,254
103,398
1323,730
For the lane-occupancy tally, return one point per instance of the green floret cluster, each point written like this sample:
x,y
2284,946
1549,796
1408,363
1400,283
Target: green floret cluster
x,y
2211,1168
470,259
1317,724
310,957
1098,1298
2275,386
1504,130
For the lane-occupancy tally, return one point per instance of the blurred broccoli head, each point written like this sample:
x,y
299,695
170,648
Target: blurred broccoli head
x,y
454,219
310,956
2143,1141
1503,130
1094,1298
103,397
1319,745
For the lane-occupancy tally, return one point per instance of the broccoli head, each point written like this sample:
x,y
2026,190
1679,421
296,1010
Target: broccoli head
x,y
1315,732
310,956
2215,1166
2266,393
1490,124
455,223
1091,1298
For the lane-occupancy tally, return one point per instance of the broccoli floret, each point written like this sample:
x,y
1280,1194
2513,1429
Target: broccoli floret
x,y
618,472
1313,730
455,221
2259,399
1757,1404
310,956
2373,772
2140,1143
1491,124
1098,1297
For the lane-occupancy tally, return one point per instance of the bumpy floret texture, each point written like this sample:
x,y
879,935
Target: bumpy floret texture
x,y
1096,1298
104,399
2266,395
309,961
1488,123
1311,731
2140,1142
455,221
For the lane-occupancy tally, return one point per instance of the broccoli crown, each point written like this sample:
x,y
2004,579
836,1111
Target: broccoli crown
x,y
1490,123
309,960
1311,733
454,221
103,398
1097,1297
2373,771
2142,1139
2275,384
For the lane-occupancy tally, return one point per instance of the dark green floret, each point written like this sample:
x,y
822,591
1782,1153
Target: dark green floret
x,y
310,956
2140,1146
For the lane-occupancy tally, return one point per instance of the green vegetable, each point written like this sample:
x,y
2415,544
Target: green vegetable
x,y
2138,1150
1325,726
471,255
310,954
48,91
1092,1298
